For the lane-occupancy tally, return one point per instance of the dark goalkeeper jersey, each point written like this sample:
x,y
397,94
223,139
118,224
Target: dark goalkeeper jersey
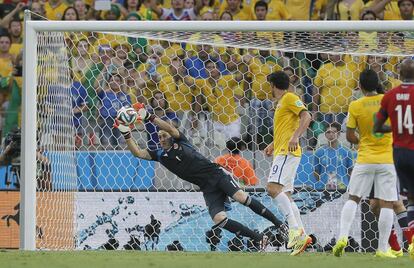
x,y
188,164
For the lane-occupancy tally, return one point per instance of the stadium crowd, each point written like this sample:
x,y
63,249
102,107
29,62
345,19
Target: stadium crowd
x,y
202,87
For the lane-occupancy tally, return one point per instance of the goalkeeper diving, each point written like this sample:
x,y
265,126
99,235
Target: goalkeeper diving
x,y
179,156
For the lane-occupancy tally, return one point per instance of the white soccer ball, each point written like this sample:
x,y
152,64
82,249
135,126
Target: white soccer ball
x,y
127,116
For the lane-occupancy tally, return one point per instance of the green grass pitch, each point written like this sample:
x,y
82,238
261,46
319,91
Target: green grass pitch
x,y
121,259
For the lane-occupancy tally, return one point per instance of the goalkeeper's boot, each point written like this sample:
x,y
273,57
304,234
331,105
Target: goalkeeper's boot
x,y
411,249
339,249
294,236
301,245
397,253
385,254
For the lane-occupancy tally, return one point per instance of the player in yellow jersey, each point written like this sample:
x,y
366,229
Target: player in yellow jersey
x,y
374,166
291,120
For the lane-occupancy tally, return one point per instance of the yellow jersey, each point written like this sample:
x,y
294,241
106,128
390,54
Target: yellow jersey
x,y
245,12
350,12
220,98
178,94
285,123
336,84
374,148
6,67
299,9
55,13
259,72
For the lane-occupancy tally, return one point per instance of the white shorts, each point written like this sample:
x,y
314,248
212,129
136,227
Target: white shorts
x,y
284,170
382,176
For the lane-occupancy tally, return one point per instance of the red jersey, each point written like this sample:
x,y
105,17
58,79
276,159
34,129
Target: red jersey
x,y
398,105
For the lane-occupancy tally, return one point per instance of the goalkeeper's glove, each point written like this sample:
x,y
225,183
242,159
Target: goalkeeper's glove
x,y
125,130
143,114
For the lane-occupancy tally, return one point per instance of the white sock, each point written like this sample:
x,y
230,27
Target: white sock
x,y
347,218
385,221
284,204
296,213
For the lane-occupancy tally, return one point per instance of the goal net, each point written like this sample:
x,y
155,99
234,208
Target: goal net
x,y
93,194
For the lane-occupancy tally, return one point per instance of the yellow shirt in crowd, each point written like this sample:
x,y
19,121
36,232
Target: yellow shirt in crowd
x,y
299,9
259,72
244,14
220,98
55,13
286,121
350,12
178,94
336,84
374,148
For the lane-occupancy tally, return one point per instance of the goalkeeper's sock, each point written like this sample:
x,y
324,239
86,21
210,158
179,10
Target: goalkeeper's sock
x,y
296,212
261,210
347,218
284,204
385,221
238,229
393,241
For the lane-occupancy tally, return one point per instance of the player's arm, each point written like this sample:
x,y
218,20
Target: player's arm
x,y
132,146
381,117
351,135
163,125
305,119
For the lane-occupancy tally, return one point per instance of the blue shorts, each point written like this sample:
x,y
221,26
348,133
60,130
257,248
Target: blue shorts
x,y
404,165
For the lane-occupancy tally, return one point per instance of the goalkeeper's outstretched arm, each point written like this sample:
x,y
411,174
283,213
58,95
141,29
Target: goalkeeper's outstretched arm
x,y
168,127
132,145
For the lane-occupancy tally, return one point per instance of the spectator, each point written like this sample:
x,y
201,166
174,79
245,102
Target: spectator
x,y
178,11
212,4
271,10
6,58
236,164
79,105
349,9
406,8
81,60
112,98
15,31
9,12
38,11
219,93
146,12
386,9
160,108
367,39
70,13
80,7
196,64
113,14
259,66
378,64
151,73
332,162
295,84
55,9
333,87
177,87
237,10
319,10
130,6
189,4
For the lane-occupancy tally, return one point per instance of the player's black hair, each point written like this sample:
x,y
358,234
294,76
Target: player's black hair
x,y
261,4
5,34
279,79
369,81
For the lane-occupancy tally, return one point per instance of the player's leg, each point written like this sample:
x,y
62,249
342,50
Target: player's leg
x,y
215,202
279,187
360,185
385,189
403,160
230,187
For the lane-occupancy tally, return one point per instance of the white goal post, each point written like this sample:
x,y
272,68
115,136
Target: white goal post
x,y
30,71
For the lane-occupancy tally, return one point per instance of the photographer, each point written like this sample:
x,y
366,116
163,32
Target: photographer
x,y
10,156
